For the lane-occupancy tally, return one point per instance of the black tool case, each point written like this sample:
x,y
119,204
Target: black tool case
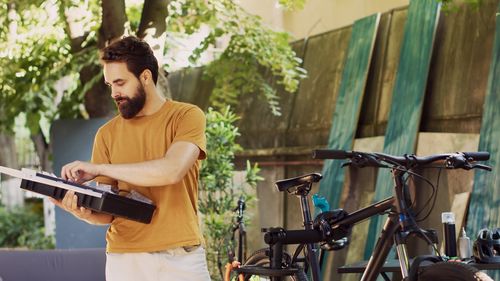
x,y
109,203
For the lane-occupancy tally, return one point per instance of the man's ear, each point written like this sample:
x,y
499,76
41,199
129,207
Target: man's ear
x,y
146,77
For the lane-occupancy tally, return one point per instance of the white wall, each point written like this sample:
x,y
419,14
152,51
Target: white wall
x,y
318,16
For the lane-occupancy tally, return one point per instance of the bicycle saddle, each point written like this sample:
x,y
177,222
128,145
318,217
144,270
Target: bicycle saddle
x,y
295,182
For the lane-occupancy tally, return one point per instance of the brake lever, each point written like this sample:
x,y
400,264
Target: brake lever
x,y
345,164
481,166
362,162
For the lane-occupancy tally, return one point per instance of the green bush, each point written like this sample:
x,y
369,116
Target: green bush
x,y
23,228
218,193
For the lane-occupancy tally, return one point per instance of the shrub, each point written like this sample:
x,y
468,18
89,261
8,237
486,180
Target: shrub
x,y
218,193
23,227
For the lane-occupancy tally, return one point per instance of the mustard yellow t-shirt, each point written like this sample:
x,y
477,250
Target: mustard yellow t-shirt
x,y
175,221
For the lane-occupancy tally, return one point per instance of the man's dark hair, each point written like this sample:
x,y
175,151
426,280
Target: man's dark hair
x,y
136,53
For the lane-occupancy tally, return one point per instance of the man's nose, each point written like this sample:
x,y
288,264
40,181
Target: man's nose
x,y
114,93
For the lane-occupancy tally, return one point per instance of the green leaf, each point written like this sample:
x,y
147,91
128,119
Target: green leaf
x,y
253,48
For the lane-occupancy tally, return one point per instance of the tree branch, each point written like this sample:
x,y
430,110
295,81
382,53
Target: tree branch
x,y
113,21
153,19
153,29
43,150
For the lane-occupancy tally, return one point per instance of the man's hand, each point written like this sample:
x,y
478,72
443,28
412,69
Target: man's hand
x,y
69,204
79,171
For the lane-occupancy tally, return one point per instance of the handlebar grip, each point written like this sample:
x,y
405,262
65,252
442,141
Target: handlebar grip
x,y
478,156
331,154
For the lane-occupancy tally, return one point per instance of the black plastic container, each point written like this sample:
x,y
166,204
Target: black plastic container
x,y
108,203
450,242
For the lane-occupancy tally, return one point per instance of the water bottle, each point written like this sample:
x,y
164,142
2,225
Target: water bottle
x,y
320,203
464,246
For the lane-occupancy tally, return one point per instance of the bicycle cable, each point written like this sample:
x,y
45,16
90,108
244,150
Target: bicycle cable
x,y
414,174
412,203
434,246
428,200
434,194
297,252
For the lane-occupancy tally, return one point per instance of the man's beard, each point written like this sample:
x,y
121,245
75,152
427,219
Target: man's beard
x,y
129,107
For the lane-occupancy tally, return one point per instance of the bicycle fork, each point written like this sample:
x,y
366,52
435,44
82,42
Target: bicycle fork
x,y
382,249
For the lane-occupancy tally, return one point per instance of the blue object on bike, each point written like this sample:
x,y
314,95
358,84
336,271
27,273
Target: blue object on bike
x,y
320,203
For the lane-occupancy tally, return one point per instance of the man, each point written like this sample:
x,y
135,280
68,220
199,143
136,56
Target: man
x,y
153,147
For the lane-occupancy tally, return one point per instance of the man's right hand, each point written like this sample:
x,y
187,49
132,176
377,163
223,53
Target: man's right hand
x,y
69,204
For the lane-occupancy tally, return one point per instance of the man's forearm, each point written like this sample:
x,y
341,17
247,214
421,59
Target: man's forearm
x,y
151,173
159,172
170,169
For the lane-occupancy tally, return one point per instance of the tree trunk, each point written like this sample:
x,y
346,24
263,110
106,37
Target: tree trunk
x,y
153,29
8,157
113,21
11,195
43,151
97,101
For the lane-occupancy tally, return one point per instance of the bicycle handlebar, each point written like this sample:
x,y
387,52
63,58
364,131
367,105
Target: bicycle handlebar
x,y
478,156
458,160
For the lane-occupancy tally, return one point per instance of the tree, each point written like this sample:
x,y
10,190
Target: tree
x,y
50,68
44,41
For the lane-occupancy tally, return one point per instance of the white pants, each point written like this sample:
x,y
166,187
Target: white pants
x,y
180,264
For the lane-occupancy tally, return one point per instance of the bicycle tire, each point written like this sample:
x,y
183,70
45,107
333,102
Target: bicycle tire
x,y
259,258
451,271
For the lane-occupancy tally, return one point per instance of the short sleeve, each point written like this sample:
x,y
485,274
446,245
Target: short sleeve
x,y
100,155
191,128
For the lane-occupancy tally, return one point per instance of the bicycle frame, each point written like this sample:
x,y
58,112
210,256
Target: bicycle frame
x,y
240,227
397,229
277,237
297,237
332,227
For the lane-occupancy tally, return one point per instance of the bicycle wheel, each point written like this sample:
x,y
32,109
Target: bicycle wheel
x,y
259,258
451,271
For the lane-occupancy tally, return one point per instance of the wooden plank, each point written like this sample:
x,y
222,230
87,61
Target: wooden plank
x,y
485,196
459,208
407,97
348,105
347,109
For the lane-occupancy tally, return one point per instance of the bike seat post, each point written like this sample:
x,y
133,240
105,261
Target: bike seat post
x,y
304,206
308,225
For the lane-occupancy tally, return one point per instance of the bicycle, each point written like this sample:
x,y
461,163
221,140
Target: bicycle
x,y
234,259
274,262
333,226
